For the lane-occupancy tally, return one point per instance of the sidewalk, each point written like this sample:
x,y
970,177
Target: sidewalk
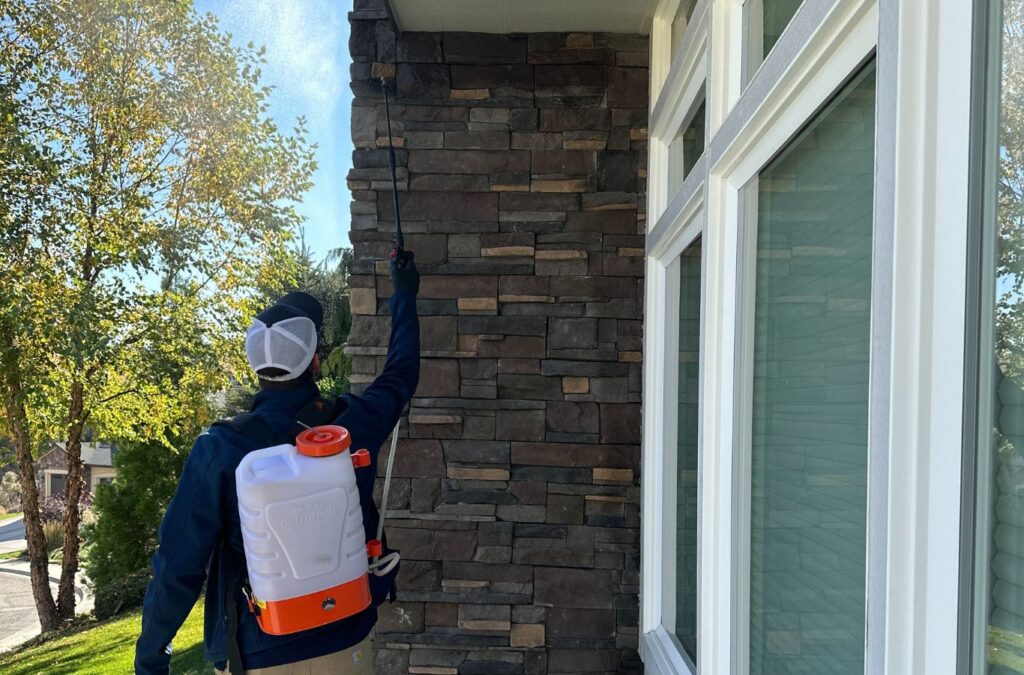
x,y
18,618
12,535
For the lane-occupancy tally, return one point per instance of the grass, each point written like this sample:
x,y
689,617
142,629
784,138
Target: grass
x,y
106,648
9,516
12,555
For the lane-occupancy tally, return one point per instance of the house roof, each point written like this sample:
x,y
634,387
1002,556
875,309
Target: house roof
x,y
525,16
93,454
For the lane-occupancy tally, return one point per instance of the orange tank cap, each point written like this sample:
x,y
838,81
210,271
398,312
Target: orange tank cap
x,y
374,549
361,458
323,441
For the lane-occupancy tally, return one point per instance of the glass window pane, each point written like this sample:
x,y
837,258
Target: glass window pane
x,y
680,22
687,147
686,464
810,393
1000,534
765,20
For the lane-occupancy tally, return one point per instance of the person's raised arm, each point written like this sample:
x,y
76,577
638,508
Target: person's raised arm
x,y
189,533
393,388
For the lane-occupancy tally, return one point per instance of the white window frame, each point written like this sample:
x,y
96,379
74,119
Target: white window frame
x,y
97,473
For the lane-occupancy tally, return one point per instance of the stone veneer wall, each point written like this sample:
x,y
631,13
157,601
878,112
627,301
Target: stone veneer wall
x,y
516,491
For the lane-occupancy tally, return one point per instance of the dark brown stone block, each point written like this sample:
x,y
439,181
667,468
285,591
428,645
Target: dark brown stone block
x,y
491,76
477,452
438,377
595,624
565,509
580,119
484,48
437,333
432,182
429,113
620,423
423,81
554,76
416,575
476,140
627,87
585,589
519,366
607,222
400,617
572,333
421,544
425,494
523,119
468,161
441,614
598,288
528,492
502,325
535,387
572,417
538,201
419,47
563,162
519,425
362,40
513,346
444,206
441,286
575,455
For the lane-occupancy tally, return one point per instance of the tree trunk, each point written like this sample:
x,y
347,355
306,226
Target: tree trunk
x,y
17,420
72,516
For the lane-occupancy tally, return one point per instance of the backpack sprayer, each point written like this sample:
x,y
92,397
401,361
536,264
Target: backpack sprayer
x,y
301,574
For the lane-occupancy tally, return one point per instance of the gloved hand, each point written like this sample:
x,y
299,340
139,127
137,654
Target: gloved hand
x,y
404,276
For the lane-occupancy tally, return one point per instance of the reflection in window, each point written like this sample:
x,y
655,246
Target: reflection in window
x,y
765,19
688,146
809,421
682,19
1000,533
686,461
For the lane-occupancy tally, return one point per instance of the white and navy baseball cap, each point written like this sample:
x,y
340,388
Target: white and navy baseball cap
x,y
282,340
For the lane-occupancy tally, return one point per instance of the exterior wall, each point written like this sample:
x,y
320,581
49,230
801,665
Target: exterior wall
x,y
515,499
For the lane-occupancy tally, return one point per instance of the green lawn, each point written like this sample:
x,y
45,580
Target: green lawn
x,y
9,516
107,647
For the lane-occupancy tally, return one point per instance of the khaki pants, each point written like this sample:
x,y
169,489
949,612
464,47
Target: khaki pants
x,y
356,660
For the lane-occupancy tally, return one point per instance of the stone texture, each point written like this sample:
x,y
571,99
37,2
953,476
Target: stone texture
x,y
515,501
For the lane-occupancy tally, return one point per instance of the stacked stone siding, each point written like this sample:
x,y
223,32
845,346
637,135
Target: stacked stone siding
x,y
515,499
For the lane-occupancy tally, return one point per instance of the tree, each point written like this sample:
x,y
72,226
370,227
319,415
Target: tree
x,y
147,202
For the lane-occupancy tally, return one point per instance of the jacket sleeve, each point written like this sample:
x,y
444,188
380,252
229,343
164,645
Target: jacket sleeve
x,y
189,533
387,395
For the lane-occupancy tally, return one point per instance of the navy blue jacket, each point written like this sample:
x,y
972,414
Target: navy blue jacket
x,y
200,537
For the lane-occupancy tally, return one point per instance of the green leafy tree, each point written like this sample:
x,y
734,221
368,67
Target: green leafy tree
x,y
147,204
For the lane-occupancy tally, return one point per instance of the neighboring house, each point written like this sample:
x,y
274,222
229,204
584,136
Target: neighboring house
x,y
52,467
778,220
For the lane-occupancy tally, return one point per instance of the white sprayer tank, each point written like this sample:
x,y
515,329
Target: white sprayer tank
x,y
302,527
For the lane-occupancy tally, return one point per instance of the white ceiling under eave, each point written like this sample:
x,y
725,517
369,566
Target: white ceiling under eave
x,y
525,16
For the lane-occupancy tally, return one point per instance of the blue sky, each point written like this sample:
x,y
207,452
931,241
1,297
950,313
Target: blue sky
x,y
307,64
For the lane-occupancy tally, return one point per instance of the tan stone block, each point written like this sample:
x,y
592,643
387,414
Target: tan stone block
x,y
576,385
580,41
561,254
613,475
484,624
463,584
638,134
478,304
631,357
566,185
509,187
527,635
470,94
382,141
363,300
507,252
525,298
385,70
433,670
471,473
618,499
469,343
629,252
584,144
382,267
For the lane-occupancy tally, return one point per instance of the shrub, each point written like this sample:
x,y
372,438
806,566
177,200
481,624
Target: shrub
x,y
3,511
52,509
10,492
54,533
129,510
122,595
